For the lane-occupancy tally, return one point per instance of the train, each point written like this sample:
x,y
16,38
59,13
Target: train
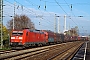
x,y
85,38
27,38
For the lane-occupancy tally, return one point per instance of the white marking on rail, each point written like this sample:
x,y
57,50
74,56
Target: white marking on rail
x,y
85,51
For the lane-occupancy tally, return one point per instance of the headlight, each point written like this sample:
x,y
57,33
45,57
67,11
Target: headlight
x,y
20,37
12,37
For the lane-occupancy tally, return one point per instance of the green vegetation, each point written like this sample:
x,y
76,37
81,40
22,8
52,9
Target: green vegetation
x,y
5,37
4,48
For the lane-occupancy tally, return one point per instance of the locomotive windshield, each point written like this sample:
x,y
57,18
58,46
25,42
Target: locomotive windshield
x,y
17,33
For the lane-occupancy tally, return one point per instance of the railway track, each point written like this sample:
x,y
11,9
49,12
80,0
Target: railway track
x,y
7,51
66,54
54,52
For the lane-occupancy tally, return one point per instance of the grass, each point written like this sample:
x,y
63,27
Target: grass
x,y
5,48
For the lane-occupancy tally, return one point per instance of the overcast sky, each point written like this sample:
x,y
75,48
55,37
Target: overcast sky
x,y
42,13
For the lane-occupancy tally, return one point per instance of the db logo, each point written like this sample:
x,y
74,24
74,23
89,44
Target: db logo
x,y
16,37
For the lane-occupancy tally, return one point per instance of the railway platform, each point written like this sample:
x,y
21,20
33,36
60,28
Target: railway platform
x,y
88,51
83,53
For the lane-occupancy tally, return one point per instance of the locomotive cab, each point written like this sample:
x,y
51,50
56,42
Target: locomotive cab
x,y
16,38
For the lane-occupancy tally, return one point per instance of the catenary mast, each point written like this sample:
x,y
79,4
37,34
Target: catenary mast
x,y
1,22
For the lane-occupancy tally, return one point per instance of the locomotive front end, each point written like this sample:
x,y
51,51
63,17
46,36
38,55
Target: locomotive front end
x,y
16,38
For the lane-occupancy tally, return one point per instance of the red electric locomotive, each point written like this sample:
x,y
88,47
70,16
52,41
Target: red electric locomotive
x,y
27,38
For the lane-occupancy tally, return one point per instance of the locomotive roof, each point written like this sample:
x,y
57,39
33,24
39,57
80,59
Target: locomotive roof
x,y
36,31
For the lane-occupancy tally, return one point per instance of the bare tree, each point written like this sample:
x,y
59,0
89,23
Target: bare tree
x,y
20,22
73,31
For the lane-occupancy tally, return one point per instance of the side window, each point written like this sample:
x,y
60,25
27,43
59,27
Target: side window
x,y
27,34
